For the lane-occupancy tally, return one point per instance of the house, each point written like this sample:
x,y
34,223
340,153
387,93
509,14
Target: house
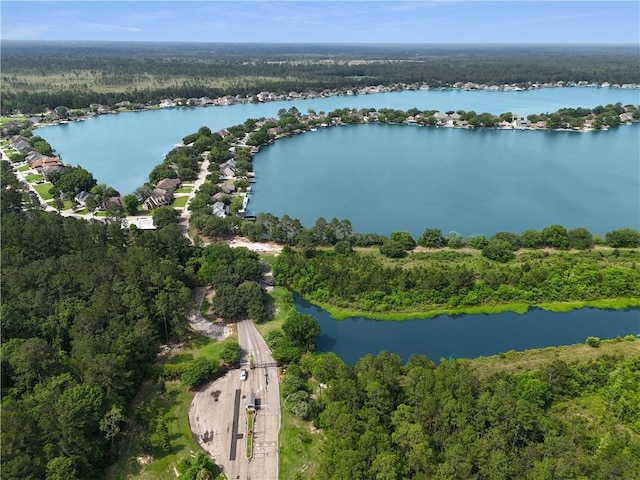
x,y
626,117
20,143
43,161
227,188
168,184
49,169
220,210
82,197
33,156
228,168
113,201
155,201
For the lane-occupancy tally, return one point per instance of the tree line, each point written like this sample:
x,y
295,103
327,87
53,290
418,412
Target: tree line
x,y
108,74
367,282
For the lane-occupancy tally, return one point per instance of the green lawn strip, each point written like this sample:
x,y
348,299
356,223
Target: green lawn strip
x,y
300,448
24,168
180,202
251,415
43,190
33,177
100,214
184,189
82,211
519,308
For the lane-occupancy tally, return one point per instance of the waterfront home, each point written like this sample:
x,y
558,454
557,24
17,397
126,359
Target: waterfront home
x,y
168,184
112,201
82,197
20,143
42,162
220,210
158,198
228,168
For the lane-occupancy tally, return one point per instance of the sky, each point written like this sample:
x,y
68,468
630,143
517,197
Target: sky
x,y
338,21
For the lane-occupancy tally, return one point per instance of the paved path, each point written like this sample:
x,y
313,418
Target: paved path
x,y
219,422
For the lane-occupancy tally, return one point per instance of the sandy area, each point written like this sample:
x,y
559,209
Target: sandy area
x,y
269,247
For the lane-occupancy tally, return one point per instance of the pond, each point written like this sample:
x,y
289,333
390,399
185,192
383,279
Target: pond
x,y
466,336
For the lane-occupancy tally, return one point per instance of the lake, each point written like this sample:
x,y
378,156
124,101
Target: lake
x,y
470,181
466,336
387,178
121,150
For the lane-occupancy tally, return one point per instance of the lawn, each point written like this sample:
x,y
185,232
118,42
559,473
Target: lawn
x,y
43,190
300,447
184,189
180,202
34,177
24,168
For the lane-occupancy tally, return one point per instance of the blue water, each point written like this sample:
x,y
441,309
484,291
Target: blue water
x,y
466,336
121,150
387,178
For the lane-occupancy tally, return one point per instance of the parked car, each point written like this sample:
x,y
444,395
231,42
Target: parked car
x,y
243,374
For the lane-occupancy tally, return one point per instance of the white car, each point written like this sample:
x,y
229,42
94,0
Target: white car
x,y
243,374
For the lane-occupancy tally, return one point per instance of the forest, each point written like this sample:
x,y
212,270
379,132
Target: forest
x,y
41,75
85,307
385,420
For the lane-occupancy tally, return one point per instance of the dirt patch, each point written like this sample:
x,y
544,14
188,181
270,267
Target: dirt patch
x,y
216,330
269,247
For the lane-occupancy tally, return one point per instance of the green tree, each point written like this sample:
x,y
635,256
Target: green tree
x,y
431,238
131,204
580,238
498,250
623,238
231,353
302,330
393,249
403,238
165,215
555,236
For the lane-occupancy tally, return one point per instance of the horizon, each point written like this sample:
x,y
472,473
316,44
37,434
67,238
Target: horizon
x,y
416,22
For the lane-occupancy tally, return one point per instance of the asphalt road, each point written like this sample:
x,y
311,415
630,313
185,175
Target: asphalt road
x,y
219,422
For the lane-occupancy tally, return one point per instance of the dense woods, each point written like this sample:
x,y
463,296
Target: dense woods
x,y
85,306
385,420
37,75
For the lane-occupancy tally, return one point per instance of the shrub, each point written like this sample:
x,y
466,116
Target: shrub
x,y
392,249
593,342
499,251
198,371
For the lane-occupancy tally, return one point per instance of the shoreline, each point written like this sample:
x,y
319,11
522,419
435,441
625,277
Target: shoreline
x,y
339,314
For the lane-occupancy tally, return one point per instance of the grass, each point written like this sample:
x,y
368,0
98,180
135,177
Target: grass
x,y
251,415
43,190
300,447
24,168
33,177
180,202
82,211
533,359
184,190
